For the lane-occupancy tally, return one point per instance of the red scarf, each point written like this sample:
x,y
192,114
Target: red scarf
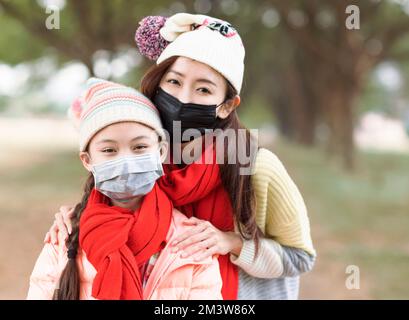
x,y
197,190
118,241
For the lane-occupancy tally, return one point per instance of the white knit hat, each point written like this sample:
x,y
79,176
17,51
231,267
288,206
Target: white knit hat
x,y
202,38
104,103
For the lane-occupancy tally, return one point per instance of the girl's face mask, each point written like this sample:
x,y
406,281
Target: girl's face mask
x,y
126,177
190,115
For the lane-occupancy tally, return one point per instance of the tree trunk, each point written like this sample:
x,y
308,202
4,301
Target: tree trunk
x,y
339,113
281,111
301,111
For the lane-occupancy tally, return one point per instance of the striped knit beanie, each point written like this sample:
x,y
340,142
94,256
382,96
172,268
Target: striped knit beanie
x,y
104,103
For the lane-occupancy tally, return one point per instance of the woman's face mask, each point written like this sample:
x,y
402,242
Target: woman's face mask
x,y
129,176
190,115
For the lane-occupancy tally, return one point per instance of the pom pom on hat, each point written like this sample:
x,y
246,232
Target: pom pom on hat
x,y
75,111
148,38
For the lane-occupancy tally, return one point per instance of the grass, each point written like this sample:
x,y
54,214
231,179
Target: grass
x,y
57,177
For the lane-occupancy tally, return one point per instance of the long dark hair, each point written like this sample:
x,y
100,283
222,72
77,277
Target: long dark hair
x,y
238,186
69,283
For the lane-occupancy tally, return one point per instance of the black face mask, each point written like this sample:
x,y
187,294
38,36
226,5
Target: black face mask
x,y
190,115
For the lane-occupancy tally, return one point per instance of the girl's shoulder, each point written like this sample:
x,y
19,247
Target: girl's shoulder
x,y
54,258
49,263
177,225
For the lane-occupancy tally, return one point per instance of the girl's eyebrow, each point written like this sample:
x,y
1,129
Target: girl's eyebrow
x,y
113,141
106,141
197,80
140,137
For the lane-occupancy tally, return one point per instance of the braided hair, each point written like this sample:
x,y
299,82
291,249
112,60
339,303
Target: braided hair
x,y
69,283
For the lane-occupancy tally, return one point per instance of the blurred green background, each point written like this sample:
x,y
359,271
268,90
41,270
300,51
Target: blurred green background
x,y
330,101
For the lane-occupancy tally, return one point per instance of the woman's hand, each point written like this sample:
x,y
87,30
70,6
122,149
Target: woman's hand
x,y
204,240
62,223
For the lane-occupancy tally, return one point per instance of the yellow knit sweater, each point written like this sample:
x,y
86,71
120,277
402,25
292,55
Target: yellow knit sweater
x,y
280,210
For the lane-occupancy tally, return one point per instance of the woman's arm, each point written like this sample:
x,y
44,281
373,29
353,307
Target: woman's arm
x,y
273,260
204,240
61,227
281,212
282,216
286,250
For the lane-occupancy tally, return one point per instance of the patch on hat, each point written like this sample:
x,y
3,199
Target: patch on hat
x,y
225,28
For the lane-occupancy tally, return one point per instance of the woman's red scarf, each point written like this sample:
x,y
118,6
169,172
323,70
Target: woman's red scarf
x,y
197,190
118,241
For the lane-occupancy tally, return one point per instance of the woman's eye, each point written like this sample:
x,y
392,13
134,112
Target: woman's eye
x,y
108,150
173,81
204,90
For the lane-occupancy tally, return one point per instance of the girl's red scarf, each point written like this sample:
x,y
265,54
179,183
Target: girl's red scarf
x,y
197,190
118,241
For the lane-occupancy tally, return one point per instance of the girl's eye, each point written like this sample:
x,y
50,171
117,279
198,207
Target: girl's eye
x,y
204,90
140,147
108,150
173,81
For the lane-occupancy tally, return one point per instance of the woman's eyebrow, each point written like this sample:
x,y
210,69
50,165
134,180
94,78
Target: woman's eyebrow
x,y
206,81
197,80
177,72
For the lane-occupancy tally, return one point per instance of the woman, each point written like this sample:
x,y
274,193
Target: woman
x,y
256,222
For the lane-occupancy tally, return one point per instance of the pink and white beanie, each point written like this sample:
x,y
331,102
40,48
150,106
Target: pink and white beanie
x,y
104,103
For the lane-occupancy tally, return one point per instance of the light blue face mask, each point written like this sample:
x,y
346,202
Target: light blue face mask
x,y
126,177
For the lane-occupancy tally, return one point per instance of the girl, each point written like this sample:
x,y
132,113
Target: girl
x,y
266,234
120,246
